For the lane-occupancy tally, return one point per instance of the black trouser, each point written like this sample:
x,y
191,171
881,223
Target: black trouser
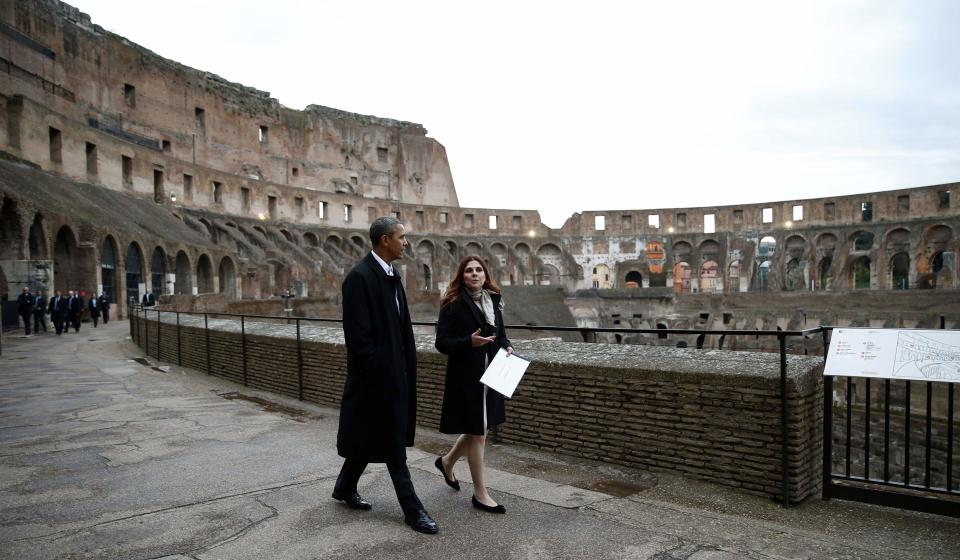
x,y
75,322
57,319
26,320
39,320
106,315
399,473
95,317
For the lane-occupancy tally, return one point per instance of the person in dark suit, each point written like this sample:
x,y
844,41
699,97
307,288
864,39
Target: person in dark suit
x,y
470,332
74,309
40,312
58,311
25,302
148,300
104,303
378,412
94,308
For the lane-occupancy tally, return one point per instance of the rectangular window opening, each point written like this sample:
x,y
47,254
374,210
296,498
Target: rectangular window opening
x,y
829,211
738,217
443,218
626,222
866,211
188,187
653,220
798,213
200,117
130,95
903,203
217,192
56,145
943,198
166,145
517,222
382,155
322,210
468,220
347,213
767,215
91,159
295,171
157,186
263,134
709,223
419,219
492,222
272,206
682,219
245,198
298,201
126,164
599,223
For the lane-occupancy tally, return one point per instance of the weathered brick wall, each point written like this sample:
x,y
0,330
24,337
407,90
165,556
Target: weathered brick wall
x,y
708,414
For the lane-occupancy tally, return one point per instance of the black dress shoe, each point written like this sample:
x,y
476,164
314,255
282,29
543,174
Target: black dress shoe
x,y
421,522
489,509
455,484
353,500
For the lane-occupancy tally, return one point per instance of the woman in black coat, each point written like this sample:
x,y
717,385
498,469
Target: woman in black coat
x,y
470,332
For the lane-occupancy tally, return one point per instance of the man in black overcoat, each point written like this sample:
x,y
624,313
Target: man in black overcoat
x,y
40,312
94,308
104,303
74,309
378,413
58,311
25,302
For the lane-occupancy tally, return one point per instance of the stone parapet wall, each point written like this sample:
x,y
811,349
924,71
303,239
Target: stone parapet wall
x,y
707,414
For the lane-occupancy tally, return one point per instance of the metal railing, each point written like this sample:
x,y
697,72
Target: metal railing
x,y
781,336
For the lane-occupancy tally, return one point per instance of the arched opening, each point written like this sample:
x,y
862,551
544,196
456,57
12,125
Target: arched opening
x,y
425,258
767,247
710,277
633,280
10,231
227,274
601,277
311,240
451,248
182,284
861,273
863,241
826,282
549,275
733,276
158,272
427,277
900,271
793,276
287,235
551,259
474,249
108,268
204,275
133,263
39,250
681,278
763,277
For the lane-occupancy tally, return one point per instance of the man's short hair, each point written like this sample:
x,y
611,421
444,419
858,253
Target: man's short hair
x,y
384,225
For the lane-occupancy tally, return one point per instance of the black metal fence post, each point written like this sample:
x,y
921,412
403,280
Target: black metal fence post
x,y
243,348
299,363
158,334
179,355
146,334
784,448
206,330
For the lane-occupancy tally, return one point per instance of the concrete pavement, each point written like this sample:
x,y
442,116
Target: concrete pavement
x,y
104,456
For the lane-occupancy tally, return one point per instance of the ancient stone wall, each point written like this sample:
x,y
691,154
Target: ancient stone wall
x,y
713,416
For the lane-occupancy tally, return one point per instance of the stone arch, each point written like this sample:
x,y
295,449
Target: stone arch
x,y
862,240
158,272
499,252
227,274
762,283
37,244
733,276
710,279
108,268
681,251
310,239
204,275
601,277
11,231
938,259
709,249
633,279
900,271
549,275
287,235
425,252
823,268
451,247
551,262
474,248
358,241
262,230
860,273
766,248
795,247
136,276
682,277
183,284
897,240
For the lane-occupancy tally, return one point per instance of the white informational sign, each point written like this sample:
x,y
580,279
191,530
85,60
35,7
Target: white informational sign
x,y
920,355
504,373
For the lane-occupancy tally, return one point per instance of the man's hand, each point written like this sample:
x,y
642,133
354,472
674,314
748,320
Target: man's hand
x,y
509,351
477,341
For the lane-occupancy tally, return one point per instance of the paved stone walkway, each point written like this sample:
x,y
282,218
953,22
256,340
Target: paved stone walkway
x,y
104,456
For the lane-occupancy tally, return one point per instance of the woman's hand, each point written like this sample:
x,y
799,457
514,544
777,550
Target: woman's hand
x,y
477,341
509,351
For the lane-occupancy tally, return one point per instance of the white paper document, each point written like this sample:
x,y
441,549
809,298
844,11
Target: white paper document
x,y
914,354
504,373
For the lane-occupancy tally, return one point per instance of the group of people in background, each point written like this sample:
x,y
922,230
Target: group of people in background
x,y
65,311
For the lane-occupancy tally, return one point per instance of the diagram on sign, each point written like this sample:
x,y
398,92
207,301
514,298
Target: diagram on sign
x,y
927,356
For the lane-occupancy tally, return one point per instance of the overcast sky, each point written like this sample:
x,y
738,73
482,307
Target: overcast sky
x,y
568,106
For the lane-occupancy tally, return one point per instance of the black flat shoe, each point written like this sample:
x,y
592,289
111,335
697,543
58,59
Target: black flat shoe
x,y
455,484
489,509
353,500
421,522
